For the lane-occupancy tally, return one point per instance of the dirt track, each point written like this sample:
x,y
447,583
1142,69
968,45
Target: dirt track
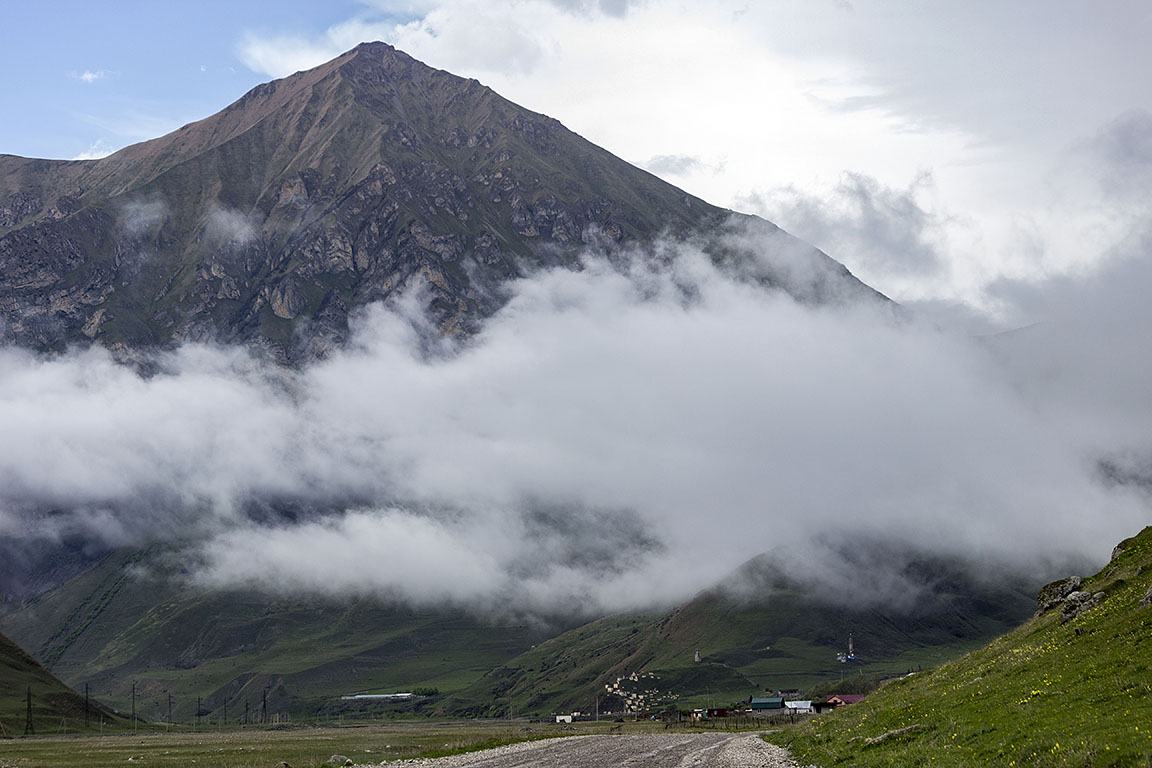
x,y
710,750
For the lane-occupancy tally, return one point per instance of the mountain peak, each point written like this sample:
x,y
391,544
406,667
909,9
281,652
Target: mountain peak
x,y
375,55
312,195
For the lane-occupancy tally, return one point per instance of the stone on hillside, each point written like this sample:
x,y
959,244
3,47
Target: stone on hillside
x,y
894,734
1146,601
1078,602
340,760
1056,593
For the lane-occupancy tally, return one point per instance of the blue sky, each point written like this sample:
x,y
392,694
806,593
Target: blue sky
x,y
152,66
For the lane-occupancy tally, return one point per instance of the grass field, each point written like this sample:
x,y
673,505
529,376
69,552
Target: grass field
x,y
1073,691
302,747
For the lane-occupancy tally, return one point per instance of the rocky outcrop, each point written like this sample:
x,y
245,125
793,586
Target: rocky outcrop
x,y
1065,594
20,206
1053,595
1077,603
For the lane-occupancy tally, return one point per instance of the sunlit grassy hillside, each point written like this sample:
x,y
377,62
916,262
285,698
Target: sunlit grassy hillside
x,y
1068,688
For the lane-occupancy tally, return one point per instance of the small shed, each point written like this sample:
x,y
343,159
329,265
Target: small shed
x,y
799,706
767,703
563,718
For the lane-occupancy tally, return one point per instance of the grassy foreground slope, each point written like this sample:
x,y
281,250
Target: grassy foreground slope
x,y
54,705
1067,688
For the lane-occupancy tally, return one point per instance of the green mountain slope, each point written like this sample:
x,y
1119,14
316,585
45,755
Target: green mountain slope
x,y
1071,687
787,638
115,625
55,706
123,622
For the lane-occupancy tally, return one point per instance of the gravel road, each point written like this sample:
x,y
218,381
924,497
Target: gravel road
x,y
704,750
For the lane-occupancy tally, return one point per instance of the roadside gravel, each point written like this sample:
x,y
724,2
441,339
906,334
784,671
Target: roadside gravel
x,y
705,750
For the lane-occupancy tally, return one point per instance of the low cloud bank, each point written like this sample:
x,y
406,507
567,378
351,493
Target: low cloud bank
x,y
615,437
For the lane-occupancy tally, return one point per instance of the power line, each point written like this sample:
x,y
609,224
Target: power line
x,y
29,729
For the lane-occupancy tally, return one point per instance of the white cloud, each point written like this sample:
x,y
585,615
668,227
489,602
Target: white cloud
x,y
89,76
614,436
229,227
672,165
95,151
886,236
281,56
140,216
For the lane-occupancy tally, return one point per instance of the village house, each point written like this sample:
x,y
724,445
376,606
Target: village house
x,y
767,704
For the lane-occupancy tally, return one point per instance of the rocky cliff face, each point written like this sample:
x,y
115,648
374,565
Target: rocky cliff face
x,y
272,220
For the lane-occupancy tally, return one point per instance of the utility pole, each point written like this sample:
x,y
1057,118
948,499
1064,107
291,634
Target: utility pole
x,y
245,711
133,707
225,710
85,705
264,708
197,711
29,730
169,711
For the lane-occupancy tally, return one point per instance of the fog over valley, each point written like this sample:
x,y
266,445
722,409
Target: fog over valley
x,y
618,436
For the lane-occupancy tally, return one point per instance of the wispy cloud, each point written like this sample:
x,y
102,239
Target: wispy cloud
x,y
89,76
96,150
680,165
884,233
133,124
